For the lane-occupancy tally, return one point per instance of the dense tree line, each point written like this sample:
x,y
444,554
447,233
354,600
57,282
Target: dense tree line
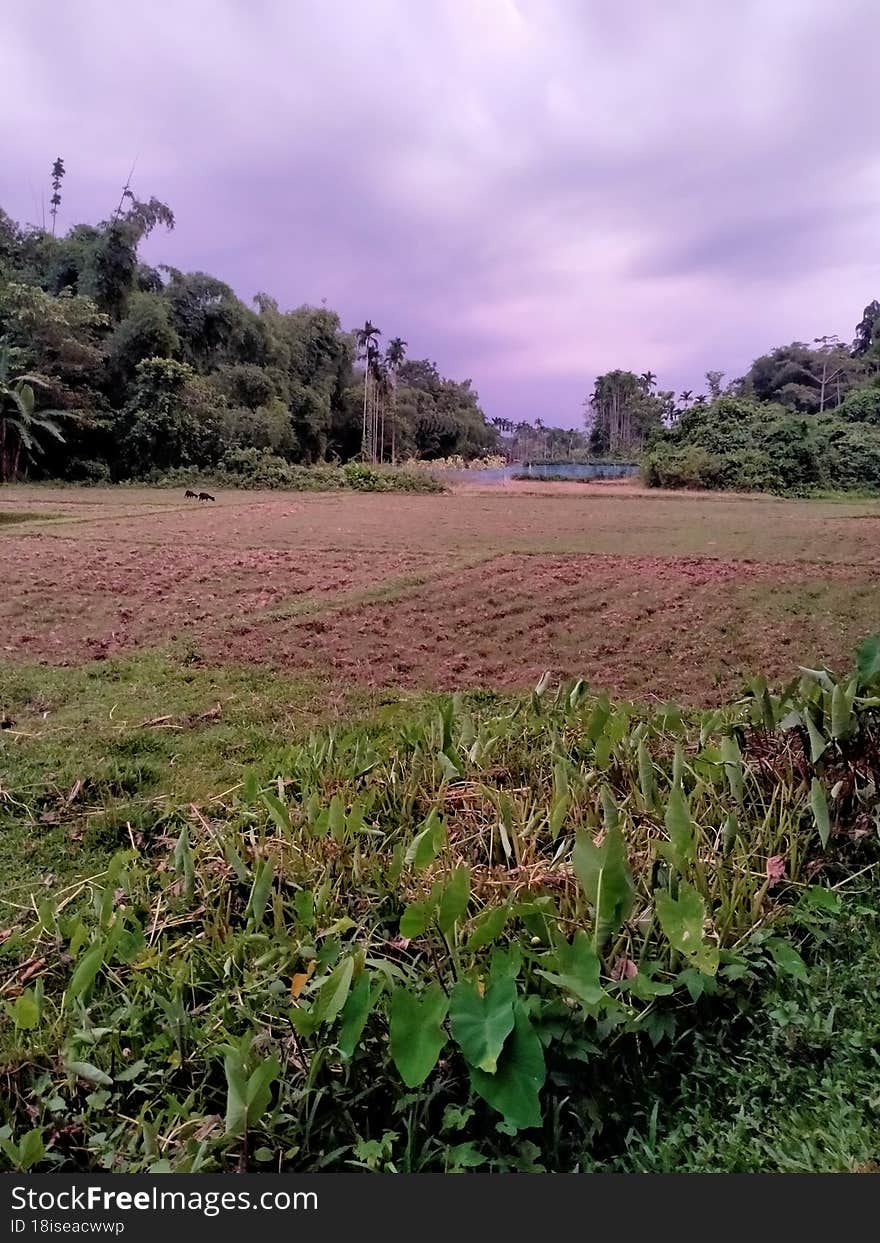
x,y
803,417
623,411
113,369
522,441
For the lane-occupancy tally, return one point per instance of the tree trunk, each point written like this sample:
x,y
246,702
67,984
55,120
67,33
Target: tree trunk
x,y
366,393
374,435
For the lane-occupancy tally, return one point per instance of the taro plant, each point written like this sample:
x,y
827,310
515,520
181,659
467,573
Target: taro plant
x,y
400,946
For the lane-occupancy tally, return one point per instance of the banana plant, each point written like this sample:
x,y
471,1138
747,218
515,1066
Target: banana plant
x,y
21,424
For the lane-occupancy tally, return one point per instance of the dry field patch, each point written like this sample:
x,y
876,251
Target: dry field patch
x,y
691,629
647,594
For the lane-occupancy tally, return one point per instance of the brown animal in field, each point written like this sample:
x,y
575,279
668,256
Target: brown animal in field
x,y
206,496
189,494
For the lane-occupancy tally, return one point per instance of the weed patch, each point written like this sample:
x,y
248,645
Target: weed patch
x,y
466,933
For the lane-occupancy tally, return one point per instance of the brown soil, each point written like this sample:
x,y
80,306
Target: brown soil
x,y
67,601
649,595
683,627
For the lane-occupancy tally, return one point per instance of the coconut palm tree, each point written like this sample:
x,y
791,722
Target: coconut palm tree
x,y
647,380
367,344
21,424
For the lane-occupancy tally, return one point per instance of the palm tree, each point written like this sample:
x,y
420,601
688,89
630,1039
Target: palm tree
x,y
685,396
20,423
395,353
647,380
381,389
367,345
540,442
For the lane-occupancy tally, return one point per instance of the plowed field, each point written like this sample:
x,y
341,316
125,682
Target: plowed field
x,y
650,595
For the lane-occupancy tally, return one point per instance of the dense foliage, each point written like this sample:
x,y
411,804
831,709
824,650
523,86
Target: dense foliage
x,y
154,369
801,419
623,411
447,939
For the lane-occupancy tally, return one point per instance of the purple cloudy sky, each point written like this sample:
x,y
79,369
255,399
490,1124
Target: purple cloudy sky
x,y
528,191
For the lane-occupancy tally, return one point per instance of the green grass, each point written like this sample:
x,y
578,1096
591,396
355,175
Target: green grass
x,y
93,750
11,517
790,1084
349,905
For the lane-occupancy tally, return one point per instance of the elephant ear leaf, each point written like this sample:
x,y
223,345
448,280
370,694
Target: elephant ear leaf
x,y
417,1035
680,828
578,972
605,878
514,1089
481,1022
682,920
868,659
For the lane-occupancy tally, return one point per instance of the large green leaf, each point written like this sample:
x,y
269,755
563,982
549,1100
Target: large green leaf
x,y
426,845
578,971
610,814
417,1034
355,1013
416,918
868,659
236,1094
247,1095
85,971
454,899
818,743
515,1086
488,928
263,876
787,959
819,804
682,921
680,827
600,714
605,878
259,1088
481,1022
841,711
25,1011
334,991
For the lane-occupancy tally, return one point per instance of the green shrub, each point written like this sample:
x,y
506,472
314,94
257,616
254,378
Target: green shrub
x,y
862,406
449,939
80,470
259,468
690,467
851,455
737,444
364,478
